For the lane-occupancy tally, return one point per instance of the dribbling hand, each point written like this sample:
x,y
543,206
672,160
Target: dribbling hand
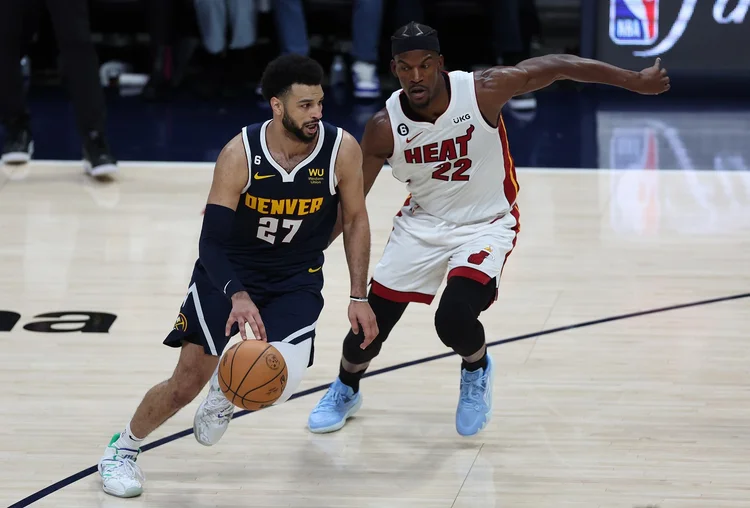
x,y
245,311
652,80
360,314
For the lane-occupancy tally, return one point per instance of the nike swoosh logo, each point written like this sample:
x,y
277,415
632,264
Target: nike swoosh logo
x,y
415,137
313,270
261,177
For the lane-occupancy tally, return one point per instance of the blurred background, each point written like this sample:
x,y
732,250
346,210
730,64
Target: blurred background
x,y
178,78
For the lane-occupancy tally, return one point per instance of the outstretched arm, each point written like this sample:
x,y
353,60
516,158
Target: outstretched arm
x,y
377,145
356,227
497,85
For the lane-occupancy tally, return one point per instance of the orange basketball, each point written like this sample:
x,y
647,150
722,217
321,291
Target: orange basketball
x,y
252,374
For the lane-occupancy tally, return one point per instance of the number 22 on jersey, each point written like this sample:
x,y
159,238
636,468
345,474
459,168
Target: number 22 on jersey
x,y
459,167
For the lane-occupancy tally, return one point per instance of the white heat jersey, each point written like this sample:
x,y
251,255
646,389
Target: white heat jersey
x,y
459,168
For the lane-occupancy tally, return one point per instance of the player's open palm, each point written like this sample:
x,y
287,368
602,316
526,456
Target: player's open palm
x,y
362,317
652,80
245,312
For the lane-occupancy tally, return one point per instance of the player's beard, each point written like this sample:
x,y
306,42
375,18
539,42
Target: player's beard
x,y
298,132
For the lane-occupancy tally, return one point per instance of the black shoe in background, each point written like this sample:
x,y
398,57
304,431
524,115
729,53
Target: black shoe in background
x,y
19,145
97,158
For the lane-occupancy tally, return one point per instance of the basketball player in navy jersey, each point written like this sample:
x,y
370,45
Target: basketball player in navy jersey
x,y
443,135
271,211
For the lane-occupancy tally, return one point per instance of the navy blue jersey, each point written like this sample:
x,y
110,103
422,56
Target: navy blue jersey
x,y
284,219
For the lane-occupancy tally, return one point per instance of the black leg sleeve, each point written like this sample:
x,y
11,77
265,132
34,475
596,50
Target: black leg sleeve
x,y
457,318
387,314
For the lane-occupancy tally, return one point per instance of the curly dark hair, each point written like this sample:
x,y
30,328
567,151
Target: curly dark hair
x,y
286,70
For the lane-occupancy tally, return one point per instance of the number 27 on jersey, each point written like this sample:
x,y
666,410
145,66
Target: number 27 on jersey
x,y
268,229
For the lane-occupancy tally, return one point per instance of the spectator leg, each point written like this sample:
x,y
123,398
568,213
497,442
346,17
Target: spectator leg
x,y
212,22
292,26
70,19
243,18
367,18
505,16
12,104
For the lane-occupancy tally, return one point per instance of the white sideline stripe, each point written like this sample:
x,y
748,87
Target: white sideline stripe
x,y
299,332
246,144
332,181
201,319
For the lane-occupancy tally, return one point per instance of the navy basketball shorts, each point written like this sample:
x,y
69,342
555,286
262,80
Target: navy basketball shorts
x,y
289,309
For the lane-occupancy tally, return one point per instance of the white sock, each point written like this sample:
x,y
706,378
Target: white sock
x,y
128,440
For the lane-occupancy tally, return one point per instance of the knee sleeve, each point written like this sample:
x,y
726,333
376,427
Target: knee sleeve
x,y
387,314
297,358
457,317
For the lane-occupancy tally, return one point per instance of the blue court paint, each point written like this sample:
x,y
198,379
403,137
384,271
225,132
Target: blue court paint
x,y
168,439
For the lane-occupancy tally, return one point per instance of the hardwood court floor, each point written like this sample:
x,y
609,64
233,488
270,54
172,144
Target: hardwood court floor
x,y
644,410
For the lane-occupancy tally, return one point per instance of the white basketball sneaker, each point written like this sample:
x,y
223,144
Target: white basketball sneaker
x,y
121,476
213,415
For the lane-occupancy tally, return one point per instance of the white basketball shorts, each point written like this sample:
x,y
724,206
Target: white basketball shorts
x,y
423,248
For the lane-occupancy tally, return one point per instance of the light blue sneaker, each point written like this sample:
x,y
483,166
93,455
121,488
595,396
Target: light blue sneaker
x,y
475,402
330,414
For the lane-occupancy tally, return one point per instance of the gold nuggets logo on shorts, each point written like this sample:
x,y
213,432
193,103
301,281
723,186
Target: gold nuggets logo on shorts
x,y
272,361
181,324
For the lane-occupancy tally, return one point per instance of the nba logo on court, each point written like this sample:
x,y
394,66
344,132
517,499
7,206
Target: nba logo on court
x,y
633,22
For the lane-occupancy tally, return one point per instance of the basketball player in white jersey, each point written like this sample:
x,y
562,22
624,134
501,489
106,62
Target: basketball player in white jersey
x,y
444,137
